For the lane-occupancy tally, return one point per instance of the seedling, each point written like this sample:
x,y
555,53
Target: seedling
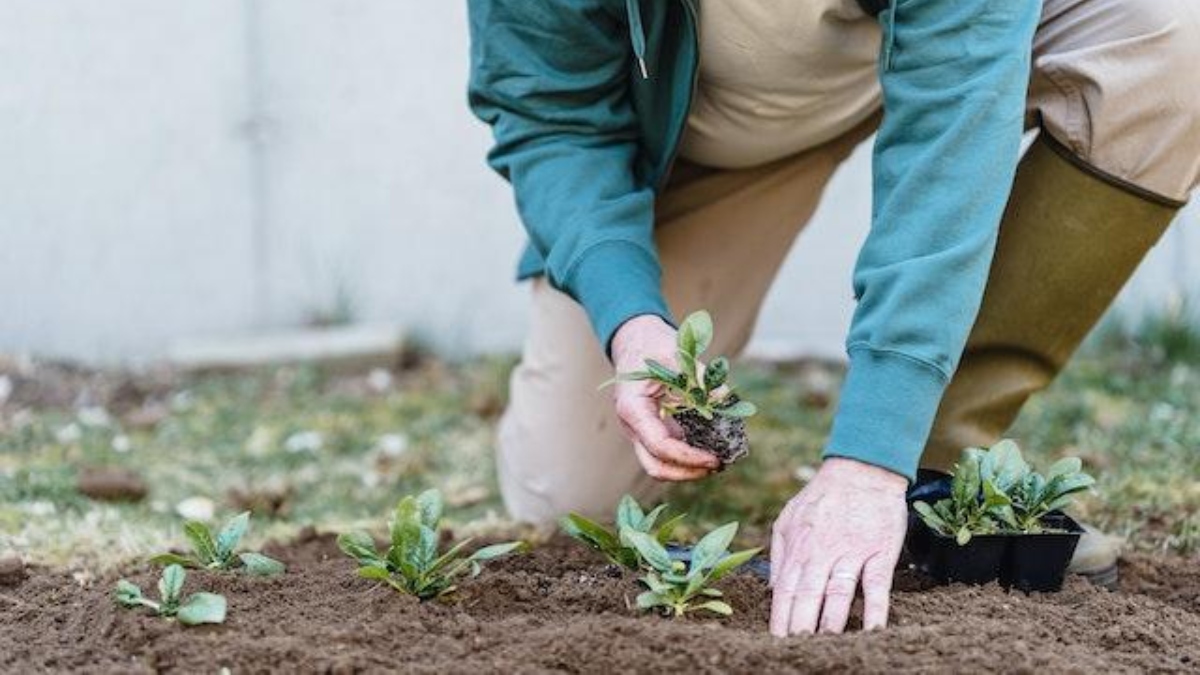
x,y
220,552
411,563
196,608
699,397
676,588
995,491
629,517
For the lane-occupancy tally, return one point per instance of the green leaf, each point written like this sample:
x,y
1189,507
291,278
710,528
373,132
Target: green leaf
x,y
731,562
360,546
716,373
648,548
171,584
666,375
711,592
231,534
693,583
649,519
374,572
629,513
656,584
1008,516
668,528
696,332
963,536
202,608
716,607
712,547
1003,464
1064,467
406,533
649,600
1069,484
454,553
430,505
687,366
128,594
496,550
174,559
636,376
741,409
931,518
967,482
993,496
261,565
425,553
202,541
590,532
400,561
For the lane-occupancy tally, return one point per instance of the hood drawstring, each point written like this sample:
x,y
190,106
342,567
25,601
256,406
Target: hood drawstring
x,y
637,35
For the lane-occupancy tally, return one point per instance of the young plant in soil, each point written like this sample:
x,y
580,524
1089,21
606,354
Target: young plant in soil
x,y
630,516
699,397
196,608
995,491
676,588
220,552
411,564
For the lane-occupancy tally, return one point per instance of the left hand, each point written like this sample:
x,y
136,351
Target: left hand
x,y
845,527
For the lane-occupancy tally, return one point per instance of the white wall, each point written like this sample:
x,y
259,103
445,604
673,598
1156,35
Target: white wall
x,y
174,169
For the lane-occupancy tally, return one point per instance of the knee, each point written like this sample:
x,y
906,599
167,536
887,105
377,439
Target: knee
x,y
1127,93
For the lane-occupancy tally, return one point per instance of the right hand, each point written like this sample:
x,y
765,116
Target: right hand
x,y
657,441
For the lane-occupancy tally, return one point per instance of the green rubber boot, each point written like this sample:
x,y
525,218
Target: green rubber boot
x,y
1068,243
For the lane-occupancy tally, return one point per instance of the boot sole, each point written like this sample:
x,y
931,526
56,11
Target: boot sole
x,y
1105,577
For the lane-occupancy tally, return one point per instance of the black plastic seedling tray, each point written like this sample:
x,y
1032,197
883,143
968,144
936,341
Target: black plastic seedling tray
x,y
1028,562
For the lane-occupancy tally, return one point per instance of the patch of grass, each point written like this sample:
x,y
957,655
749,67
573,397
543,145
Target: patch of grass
x,y
334,450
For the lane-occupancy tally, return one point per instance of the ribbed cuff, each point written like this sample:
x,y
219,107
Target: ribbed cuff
x,y
886,410
616,281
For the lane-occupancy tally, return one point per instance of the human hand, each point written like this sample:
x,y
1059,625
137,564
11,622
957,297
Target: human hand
x,y
656,440
845,527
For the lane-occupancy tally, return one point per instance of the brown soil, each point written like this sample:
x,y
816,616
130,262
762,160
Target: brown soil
x,y
723,436
561,609
111,484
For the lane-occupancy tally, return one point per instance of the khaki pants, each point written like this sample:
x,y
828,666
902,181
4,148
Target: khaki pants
x,y
1116,85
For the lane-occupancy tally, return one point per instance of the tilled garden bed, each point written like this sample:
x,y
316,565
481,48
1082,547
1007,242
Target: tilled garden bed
x,y
560,608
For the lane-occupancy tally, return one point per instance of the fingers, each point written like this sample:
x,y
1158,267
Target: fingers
x,y
663,471
640,415
778,557
877,586
809,596
839,595
787,582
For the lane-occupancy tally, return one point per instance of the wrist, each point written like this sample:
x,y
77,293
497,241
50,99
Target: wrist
x,y
634,338
866,475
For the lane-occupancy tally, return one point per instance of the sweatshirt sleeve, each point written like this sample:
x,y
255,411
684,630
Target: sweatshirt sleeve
x,y
954,75
552,82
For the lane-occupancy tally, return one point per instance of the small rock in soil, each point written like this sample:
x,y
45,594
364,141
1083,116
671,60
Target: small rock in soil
x,y
12,571
111,484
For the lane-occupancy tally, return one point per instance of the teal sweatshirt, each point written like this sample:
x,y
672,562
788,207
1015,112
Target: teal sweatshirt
x,y
588,100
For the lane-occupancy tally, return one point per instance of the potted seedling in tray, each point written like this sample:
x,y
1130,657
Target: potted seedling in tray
x,y
631,517
698,396
998,519
411,563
